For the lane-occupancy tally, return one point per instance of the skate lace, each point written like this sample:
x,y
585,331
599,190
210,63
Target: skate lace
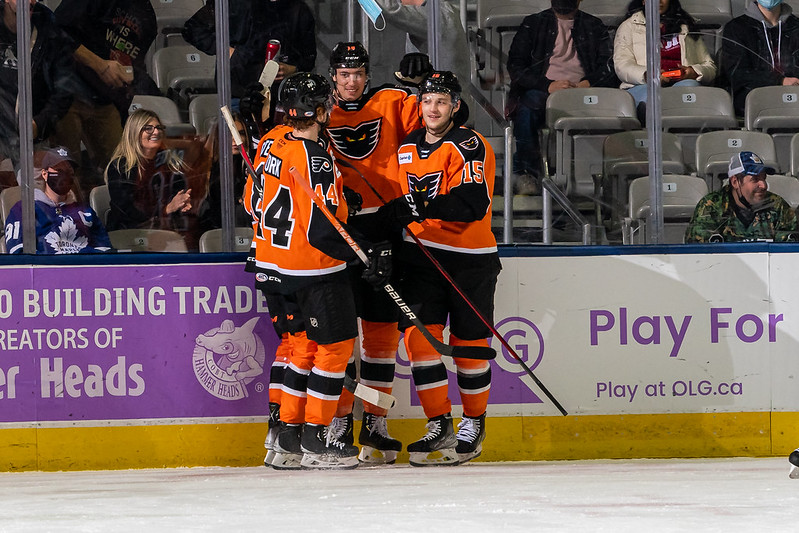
x,y
331,438
337,428
468,429
378,425
433,430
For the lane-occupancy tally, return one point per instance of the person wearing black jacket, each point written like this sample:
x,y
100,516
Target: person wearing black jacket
x,y
252,24
556,49
760,49
52,74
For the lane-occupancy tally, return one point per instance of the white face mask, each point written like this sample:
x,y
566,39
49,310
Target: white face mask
x,y
769,4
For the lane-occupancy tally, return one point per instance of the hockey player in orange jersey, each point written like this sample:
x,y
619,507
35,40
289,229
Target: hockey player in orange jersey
x,y
365,130
452,168
300,264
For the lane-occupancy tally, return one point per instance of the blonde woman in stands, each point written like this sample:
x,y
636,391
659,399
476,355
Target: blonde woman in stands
x,y
145,179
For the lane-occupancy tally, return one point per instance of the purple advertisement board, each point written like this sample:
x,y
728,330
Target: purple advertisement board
x,y
133,342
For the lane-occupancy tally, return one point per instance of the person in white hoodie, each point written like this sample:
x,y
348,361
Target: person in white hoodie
x,y
684,58
760,49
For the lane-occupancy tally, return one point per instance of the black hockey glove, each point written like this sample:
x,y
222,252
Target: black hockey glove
x,y
401,211
354,201
253,101
413,68
378,273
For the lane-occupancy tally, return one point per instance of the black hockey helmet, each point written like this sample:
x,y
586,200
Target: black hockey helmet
x,y
300,94
348,55
443,82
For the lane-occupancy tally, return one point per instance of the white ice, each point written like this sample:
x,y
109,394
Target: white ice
x,y
726,495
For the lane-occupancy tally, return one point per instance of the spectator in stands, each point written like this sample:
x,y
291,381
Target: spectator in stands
x,y
760,49
111,40
51,76
744,209
145,180
63,226
684,58
252,24
557,49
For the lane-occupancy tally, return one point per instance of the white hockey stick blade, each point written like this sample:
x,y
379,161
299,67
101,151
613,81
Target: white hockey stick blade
x,y
269,73
369,395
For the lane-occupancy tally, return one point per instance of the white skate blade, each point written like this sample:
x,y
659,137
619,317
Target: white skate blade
x,y
326,461
286,461
269,73
794,473
373,456
466,457
443,457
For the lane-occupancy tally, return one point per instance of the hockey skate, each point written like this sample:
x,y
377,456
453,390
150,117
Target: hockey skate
x,y
341,429
288,453
323,451
437,447
271,434
471,433
377,446
794,460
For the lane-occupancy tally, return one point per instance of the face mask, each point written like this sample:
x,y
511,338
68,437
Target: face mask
x,y
59,182
564,7
769,4
374,12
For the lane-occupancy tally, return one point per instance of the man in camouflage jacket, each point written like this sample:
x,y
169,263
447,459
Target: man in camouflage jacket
x,y
743,210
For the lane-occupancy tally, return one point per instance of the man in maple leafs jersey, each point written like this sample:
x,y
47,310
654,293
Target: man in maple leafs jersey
x,y
366,127
449,170
62,225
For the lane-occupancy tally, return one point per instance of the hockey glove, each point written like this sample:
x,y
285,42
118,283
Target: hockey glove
x,y
253,101
401,211
413,68
354,201
378,273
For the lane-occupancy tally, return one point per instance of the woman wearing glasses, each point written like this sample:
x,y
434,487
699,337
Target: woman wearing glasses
x,y
145,179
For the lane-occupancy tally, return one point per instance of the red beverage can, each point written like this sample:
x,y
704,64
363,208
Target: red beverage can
x,y
272,49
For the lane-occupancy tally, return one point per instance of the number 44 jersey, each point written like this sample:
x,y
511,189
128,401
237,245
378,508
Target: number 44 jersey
x,y
295,244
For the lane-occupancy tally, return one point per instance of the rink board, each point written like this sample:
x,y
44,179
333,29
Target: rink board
x,y
654,352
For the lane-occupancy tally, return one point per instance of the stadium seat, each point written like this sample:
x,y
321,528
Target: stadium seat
x,y
710,16
626,156
167,111
183,68
785,186
211,240
203,112
689,111
611,12
680,195
584,117
715,148
147,240
171,15
100,201
775,110
9,197
795,155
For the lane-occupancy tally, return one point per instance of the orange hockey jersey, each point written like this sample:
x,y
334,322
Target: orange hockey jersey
x,y
294,243
366,134
456,176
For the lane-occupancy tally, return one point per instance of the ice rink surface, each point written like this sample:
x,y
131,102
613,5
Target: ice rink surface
x,y
587,496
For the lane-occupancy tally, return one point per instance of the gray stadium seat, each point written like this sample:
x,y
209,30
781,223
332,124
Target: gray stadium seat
x,y
183,67
8,197
171,15
100,201
680,195
203,111
775,110
715,148
611,12
785,186
795,155
211,240
689,111
585,117
147,240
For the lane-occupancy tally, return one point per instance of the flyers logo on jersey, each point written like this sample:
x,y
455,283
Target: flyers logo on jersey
x,y
358,142
321,164
428,184
470,144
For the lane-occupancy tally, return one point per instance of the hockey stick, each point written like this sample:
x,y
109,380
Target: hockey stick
x,y
375,397
468,301
466,352
240,143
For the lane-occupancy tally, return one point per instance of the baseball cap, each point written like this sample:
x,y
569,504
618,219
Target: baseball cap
x,y
54,156
748,163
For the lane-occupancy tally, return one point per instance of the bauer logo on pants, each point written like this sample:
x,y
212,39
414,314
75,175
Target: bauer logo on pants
x,y
226,359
